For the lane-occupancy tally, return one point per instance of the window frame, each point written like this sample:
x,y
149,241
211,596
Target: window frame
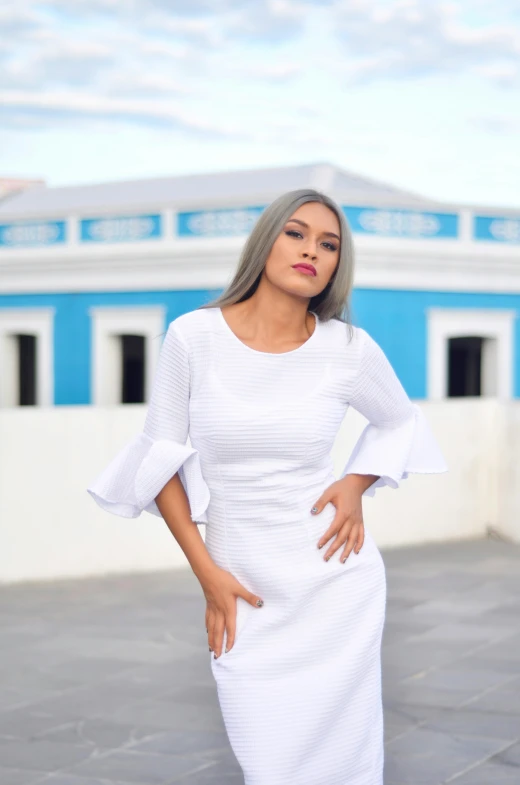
x,y
496,324
33,321
107,324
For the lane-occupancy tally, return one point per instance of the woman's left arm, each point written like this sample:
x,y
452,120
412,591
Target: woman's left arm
x,y
396,442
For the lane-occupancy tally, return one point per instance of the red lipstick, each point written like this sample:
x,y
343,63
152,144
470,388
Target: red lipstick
x,y
305,268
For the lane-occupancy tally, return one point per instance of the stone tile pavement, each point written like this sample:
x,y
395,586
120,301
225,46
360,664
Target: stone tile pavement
x,y
107,682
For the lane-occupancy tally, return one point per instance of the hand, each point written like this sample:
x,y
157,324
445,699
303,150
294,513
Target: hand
x,y
348,524
221,589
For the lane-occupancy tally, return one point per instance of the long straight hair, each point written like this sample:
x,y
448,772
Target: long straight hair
x,y
333,302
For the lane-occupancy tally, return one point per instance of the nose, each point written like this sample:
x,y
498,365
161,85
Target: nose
x,y
309,251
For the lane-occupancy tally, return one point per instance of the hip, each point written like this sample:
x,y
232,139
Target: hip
x,y
284,556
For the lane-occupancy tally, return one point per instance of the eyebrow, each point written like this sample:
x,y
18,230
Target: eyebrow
x,y
302,223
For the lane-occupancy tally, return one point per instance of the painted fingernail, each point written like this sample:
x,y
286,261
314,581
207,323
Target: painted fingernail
x,y
314,509
210,648
320,546
227,650
259,603
344,559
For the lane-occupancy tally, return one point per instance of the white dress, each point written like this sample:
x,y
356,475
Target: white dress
x,y
300,690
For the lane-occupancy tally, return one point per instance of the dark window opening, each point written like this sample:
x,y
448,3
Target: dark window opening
x,y
26,370
465,366
133,370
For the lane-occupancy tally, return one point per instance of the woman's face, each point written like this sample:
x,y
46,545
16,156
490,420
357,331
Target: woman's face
x,y
310,237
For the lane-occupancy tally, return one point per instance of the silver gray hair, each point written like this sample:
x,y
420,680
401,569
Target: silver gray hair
x,y
333,302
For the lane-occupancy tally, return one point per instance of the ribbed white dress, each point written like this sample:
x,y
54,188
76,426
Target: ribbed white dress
x,y
300,690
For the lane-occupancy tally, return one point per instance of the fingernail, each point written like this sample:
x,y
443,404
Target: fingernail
x,y
227,650
320,546
344,560
314,509
210,648
259,603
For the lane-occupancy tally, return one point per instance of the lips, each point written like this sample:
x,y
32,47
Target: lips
x,y
302,266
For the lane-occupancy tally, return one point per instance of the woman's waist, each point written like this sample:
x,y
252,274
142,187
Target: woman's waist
x,y
266,496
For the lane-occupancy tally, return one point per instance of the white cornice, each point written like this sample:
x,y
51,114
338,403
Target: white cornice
x,y
210,263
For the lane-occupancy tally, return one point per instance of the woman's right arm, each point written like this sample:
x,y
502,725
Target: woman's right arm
x,y
219,586
174,507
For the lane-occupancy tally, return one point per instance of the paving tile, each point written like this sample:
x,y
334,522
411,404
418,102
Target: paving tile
x,y
40,755
19,777
460,679
502,700
141,768
510,756
469,722
96,733
212,777
508,650
466,632
487,774
162,714
26,723
413,694
430,758
479,661
183,742
72,779
397,722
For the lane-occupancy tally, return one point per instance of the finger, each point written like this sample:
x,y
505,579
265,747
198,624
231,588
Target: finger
x,y
361,538
338,542
320,504
231,620
219,628
351,542
211,631
248,596
334,528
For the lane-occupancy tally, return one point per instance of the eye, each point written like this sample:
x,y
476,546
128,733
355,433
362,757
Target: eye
x,y
330,246
293,233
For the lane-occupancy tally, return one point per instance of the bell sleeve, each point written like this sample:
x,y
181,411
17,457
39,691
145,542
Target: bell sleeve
x,y
397,441
131,481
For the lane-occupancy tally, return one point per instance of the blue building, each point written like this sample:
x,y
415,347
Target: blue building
x,y
90,277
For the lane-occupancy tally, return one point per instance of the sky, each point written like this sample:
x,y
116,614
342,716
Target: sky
x,y
423,95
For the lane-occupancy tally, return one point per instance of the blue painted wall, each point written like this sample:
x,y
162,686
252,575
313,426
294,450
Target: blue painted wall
x,y
72,329
396,319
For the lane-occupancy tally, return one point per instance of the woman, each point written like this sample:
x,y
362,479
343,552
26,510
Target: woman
x,y
295,587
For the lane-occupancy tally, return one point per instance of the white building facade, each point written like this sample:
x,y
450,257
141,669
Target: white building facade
x,y
90,277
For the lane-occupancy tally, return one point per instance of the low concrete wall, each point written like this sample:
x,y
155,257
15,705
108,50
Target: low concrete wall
x,y
50,527
508,470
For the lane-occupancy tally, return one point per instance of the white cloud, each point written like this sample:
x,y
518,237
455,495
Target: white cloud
x,y
497,125
159,50
414,38
42,107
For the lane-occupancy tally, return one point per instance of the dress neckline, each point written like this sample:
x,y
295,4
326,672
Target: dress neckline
x,y
310,339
